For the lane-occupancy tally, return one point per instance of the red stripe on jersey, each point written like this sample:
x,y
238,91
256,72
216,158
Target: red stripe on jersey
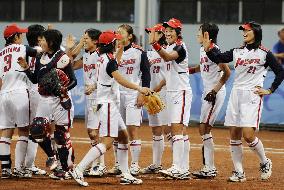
x,y
108,120
210,114
183,105
258,113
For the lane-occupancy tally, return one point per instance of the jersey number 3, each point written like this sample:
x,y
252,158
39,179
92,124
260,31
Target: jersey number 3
x,y
7,61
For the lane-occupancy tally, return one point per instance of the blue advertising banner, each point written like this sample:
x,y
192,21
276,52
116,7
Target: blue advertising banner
x,y
273,109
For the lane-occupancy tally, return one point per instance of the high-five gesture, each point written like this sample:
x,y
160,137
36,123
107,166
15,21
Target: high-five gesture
x,y
206,41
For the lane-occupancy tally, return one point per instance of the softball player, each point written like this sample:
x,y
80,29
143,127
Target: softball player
x,y
112,125
33,35
14,100
245,104
134,66
158,122
179,95
50,106
213,77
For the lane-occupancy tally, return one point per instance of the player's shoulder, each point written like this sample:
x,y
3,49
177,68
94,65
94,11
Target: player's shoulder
x,y
261,47
63,60
136,46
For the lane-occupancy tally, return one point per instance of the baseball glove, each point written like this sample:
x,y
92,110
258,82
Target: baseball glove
x,y
153,103
211,97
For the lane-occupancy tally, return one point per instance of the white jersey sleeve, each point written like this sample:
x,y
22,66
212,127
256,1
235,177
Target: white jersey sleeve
x,y
63,61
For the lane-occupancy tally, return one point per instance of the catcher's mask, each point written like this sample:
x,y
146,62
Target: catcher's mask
x,y
39,128
256,27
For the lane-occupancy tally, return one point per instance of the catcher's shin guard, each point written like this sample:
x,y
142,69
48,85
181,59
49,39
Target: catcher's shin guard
x,y
65,150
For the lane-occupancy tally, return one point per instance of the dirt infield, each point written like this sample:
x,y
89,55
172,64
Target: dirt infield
x,y
273,142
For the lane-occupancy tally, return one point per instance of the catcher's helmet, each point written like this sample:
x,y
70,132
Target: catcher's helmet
x,y
40,128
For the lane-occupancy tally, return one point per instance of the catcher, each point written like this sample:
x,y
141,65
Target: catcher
x,y
55,76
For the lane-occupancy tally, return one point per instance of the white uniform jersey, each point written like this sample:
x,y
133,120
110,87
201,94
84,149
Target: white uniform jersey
x,y
107,87
157,68
63,61
249,68
177,75
12,75
129,67
210,71
89,66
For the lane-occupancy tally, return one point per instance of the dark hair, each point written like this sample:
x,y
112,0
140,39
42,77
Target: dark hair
x,y
34,31
212,29
109,48
256,28
129,30
53,38
11,39
162,40
94,34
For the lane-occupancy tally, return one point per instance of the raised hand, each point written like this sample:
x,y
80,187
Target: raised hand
x,y
70,42
23,63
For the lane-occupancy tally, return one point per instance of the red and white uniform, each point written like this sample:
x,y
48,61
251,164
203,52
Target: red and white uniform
x,y
179,94
157,71
89,67
210,74
108,97
14,94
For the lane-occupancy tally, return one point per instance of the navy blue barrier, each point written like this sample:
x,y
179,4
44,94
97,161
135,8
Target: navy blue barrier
x,y
273,110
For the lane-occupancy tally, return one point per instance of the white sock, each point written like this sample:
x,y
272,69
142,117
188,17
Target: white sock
x,y
170,139
20,151
258,148
31,154
208,145
95,152
122,157
237,155
114,146
135,149
158,149
178,147
186,150
5,152
102,160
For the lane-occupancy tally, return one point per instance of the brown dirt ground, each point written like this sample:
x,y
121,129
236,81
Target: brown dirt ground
x,y
272,140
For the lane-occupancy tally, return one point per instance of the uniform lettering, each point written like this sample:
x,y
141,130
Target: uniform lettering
x,y
156,69
203,60
90,67
128,62
245,62
158,60
10,50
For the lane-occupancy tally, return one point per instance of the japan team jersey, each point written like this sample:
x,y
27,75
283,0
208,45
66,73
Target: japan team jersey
x,y
210,71
89,67
249,68
12,75
177,75
157,68
107,87
129,67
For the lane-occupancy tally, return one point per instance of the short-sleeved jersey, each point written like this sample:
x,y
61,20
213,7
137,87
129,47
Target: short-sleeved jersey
x,y
210,71
12,75
249,68
157,68
177,75
107,87
129,67
89,67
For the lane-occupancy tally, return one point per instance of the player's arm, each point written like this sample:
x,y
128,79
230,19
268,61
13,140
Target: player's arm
x,y
74,52
33,76
226,75
78,64
68,70
112,71
177,53
193,70
159,87
33,52
277,70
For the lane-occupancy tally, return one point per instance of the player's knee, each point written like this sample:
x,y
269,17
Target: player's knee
x,y
248,138
61,135
39,129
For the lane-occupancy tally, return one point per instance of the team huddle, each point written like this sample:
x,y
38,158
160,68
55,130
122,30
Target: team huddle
x,y
120,78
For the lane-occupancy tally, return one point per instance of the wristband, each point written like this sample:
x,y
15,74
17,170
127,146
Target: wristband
x,y
156,46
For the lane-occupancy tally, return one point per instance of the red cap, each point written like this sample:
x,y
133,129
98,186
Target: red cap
x,y
174,23
156,28
109,36
13,29
245,26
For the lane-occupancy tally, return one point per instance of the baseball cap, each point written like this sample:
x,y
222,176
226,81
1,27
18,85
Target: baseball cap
x,y
13,29
157,28
174,23
249,26
108,37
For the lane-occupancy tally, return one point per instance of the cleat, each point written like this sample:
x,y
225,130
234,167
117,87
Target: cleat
x,y
185,175
115,170
6,173
51,163
59,174
151,169
237,177
134,169
127,179
98,171
78,177
173,172
266,170
20,173
28,173
206,172
38,171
